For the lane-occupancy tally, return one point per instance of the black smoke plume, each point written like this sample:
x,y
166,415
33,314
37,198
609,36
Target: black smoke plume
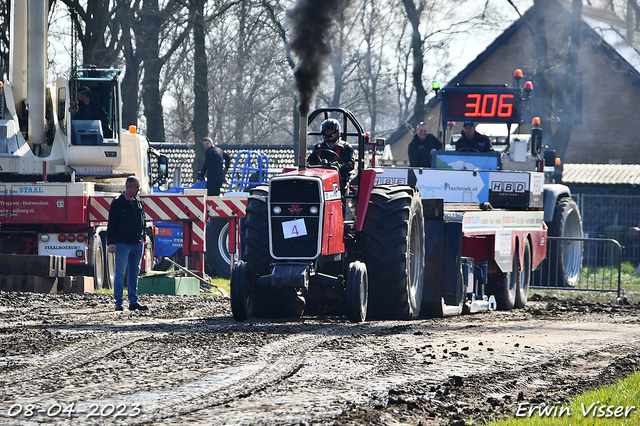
x,y
311,22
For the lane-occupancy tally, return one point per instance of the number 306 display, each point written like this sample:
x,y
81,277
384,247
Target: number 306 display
x,y
495,105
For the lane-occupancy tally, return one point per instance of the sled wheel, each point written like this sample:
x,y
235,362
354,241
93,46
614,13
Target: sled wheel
x,y
504,286
565,257
524,278
357,292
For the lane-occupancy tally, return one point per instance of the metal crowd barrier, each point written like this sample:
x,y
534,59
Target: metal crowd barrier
x,y
581,264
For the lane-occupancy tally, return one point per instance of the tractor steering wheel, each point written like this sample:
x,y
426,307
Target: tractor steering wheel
x,y
467,149
323,161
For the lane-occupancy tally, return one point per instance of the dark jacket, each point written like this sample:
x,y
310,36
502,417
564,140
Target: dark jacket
x,y
346,158
93,111
216,162
420,150
126,221
479,142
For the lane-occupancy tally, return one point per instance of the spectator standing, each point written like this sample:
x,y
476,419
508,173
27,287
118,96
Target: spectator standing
x,y
126,238
215,166
422,146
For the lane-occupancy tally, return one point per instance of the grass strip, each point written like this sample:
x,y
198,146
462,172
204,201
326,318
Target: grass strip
x,y
617,404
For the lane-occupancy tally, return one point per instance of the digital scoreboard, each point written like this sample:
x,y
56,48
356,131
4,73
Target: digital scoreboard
x,y
482,104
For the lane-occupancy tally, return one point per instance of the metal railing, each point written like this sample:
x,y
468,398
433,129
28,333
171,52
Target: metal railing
x,y
581,264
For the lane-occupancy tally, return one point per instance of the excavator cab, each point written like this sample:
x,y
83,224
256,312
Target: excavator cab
x,y
101,86
95,136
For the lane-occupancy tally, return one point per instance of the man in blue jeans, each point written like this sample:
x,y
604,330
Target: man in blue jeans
x,y
125,238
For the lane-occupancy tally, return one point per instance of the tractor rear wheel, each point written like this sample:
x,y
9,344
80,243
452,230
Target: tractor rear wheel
x,y
267,302
256,234
393,250
357,292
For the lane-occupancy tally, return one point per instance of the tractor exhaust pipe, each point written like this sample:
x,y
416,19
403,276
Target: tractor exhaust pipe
x,y
302,147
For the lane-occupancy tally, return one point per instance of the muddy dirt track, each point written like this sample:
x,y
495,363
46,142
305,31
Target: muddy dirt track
x,y
185,361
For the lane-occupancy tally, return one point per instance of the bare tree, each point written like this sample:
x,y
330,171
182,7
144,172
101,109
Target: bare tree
x,y
413,14
156,27
200,88
374,81
343,59
125,12
434,25
100,34
246,82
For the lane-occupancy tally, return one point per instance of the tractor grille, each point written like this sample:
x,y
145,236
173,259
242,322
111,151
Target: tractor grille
x,y
295,231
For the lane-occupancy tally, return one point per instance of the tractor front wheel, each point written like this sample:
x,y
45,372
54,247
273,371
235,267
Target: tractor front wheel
x,y
241,292
357,292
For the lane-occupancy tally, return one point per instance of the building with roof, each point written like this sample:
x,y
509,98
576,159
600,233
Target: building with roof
x,y
607,92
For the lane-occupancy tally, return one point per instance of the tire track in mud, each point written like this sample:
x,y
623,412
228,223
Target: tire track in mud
x,y
290,364
94,348
73,358
276,362
273,363
340,365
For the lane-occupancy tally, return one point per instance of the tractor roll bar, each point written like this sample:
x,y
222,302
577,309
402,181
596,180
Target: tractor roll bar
x,y
347,117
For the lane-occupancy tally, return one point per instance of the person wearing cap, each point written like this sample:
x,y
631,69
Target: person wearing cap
x,y
470,140
215,166
88,110
422,146
344,157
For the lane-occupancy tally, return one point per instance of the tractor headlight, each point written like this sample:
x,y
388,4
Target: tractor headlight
x,y
277,210
313,210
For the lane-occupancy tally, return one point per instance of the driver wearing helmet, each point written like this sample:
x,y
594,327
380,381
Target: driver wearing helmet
x,y
344,157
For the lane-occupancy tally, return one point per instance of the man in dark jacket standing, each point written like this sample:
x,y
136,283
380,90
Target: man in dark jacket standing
x,y
216,164
470,140
421,147
126,238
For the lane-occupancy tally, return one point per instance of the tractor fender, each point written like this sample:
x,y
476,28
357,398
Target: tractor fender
x,y
553,192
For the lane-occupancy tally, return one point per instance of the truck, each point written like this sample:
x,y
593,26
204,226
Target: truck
x,y
464,236
58,174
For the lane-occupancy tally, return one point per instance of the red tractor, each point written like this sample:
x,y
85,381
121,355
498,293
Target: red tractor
x,y
307,246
